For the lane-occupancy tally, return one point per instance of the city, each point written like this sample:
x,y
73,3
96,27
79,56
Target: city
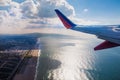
x,y
15,53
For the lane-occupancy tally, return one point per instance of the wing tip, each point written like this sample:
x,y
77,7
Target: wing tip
x,y
105,45
56,10
66,22
96,49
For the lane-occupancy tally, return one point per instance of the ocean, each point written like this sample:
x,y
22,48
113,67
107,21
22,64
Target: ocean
x,y
69,57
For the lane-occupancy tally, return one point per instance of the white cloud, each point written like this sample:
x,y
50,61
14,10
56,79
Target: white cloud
x,y
29,9
4,2
35,14
47,7
15,10
83,22
85,10
3,15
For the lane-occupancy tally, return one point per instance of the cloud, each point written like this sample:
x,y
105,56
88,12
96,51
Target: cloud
x,y
30,14
4,2
44,23
3,15
15,10
47,7
83,22
29,9
85,10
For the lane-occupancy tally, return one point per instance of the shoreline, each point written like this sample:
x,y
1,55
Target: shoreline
x,y
35,76
28,70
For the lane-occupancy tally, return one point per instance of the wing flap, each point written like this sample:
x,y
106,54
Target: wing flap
x,y
105,45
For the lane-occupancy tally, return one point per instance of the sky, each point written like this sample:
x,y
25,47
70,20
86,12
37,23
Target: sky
x,y
19,15
104,11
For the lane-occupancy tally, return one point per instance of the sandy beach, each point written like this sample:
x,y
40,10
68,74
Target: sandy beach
x,y
27,72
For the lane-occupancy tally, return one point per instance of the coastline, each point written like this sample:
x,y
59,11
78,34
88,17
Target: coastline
x,y
28,70
35,76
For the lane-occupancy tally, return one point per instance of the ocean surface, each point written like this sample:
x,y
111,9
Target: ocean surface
x,y
69,57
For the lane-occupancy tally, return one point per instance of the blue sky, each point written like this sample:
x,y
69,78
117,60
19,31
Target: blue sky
x,y
106,11
18,0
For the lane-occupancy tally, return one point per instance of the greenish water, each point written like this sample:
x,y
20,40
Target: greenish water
x,y
73,58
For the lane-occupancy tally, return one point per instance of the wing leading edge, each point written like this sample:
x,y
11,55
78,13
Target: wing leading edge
x,y
70,25
66,22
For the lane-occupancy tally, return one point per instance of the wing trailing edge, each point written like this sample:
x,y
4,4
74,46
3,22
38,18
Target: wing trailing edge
x,y
105,45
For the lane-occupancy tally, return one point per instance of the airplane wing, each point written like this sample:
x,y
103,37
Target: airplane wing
x,y
105,45
103,32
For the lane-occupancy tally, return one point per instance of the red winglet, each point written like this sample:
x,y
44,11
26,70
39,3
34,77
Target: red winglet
x,y
66,22
105,45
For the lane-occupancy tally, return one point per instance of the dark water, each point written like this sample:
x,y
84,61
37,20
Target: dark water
x,y
73,58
